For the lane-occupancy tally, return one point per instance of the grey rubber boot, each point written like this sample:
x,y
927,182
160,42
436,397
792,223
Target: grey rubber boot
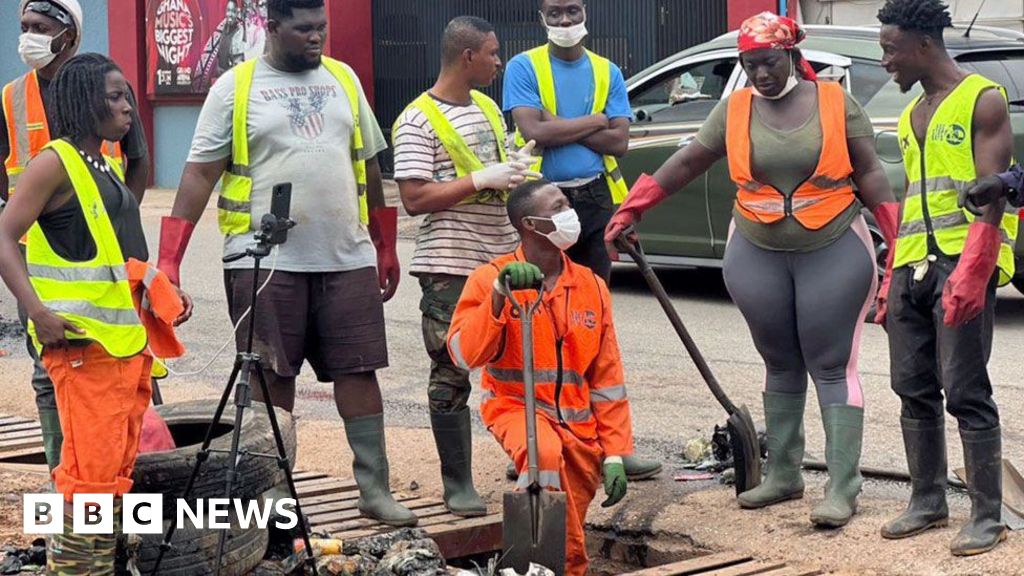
x,y
844,435
925,445
983,460
784,420
53,438
370,468
639,469
454,438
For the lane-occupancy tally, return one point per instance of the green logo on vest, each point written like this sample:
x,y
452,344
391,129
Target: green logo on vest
x,y
952,134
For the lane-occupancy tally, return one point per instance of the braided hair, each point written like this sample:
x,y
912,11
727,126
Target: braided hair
x,y
282,9
928,17
78,96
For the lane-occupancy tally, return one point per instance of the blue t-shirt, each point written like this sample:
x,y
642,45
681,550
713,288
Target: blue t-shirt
x,y
574,91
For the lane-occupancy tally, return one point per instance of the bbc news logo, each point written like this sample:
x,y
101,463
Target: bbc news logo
x,y
144,513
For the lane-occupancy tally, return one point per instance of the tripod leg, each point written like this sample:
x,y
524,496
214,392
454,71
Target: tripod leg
x,y
285,464
201,457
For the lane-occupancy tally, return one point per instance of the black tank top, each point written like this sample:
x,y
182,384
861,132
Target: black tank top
x,y
68,233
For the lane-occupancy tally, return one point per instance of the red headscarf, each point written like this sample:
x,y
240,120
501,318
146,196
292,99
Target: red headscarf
x,y
768,30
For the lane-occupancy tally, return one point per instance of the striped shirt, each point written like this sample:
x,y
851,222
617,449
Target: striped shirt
x,y
458,240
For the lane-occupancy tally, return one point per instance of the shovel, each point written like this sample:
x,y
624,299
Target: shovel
x,y
533,520
746,449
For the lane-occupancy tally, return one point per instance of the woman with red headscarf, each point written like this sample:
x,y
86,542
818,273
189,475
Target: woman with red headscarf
x,y
799,263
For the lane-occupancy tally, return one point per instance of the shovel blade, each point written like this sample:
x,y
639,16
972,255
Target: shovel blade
x,y
746,450
522,543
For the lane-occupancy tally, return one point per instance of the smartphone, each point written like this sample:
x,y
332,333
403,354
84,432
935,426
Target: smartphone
x,y
280,207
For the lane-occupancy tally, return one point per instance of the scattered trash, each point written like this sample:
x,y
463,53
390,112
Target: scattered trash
x,y
492,570
405,552
24,560
697,450
534,570
694,477
321,546
414,485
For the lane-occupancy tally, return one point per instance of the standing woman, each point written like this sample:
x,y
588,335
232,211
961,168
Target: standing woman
x,y
799,263
83,225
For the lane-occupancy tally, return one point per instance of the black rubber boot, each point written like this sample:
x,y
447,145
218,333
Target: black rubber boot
x,y
454,438
983,460
784,419
370,468
53,438
639,469
925,445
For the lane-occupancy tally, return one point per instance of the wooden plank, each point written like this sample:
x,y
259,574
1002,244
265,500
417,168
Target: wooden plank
x,y
7,455
19,426
304,475
40,469
342,504
697,565
792,571
467,536
338,530
327,486
748,569
18,434
5,420
16,444
352,514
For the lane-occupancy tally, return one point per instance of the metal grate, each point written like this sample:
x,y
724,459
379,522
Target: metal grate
x,y
632,33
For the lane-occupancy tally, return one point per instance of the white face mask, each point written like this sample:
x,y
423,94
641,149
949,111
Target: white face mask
x,y
35,49
566,37
567,229
791,83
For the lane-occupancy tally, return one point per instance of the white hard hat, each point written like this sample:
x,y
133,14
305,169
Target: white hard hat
x,y
73,8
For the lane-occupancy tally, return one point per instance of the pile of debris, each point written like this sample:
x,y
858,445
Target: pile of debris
x,y
25,560
405,552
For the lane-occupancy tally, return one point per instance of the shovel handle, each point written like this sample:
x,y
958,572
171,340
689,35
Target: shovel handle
x,y
526,310
636,252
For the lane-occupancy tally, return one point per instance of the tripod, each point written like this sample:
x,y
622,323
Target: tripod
x,y
247,363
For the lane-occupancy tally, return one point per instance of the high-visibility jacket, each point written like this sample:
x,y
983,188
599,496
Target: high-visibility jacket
x,y
28,130
158,305
541,61
465,161
234,206
577,368
932,221
93,295
820,198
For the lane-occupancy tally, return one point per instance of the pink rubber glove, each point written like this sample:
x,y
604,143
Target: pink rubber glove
x,y
887,216
384,233
174,236
644,195
963,296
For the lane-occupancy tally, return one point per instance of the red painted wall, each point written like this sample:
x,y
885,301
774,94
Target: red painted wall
x,y
127,44
350,38
740,10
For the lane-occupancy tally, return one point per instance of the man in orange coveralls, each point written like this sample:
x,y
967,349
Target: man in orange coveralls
x,y
575,351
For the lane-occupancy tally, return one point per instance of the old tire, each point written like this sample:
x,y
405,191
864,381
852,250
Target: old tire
x,y
168,472
193,552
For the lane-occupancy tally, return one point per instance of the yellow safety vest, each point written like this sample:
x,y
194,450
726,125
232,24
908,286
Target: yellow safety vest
x,y
94,295
937,173
541,60
234,207
466,162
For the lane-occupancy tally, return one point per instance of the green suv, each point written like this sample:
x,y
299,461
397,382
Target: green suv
x,y
671,100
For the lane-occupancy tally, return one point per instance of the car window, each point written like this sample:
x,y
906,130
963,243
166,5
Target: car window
x,y
868,79
1006,68
685,94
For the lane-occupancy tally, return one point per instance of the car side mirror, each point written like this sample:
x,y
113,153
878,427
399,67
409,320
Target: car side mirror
x,y
887,145
641,115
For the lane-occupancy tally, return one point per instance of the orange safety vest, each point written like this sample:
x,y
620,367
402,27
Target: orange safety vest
x,y
27,127
158,305
823,196
574,345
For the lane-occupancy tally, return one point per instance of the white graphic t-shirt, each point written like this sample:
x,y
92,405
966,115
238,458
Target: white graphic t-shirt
x,y
300,131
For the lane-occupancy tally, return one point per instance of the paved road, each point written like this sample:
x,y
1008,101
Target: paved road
x,y
670,402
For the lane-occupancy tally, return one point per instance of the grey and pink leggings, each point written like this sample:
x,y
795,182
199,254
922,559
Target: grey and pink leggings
x,y
806,310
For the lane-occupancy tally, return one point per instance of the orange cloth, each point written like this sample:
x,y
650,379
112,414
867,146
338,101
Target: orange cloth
x,y
823,196
574,322
101,401
158,304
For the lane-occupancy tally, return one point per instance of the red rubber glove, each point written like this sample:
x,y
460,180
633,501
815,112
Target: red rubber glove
x,y
887,216
174,236
384,233
963,296
645,194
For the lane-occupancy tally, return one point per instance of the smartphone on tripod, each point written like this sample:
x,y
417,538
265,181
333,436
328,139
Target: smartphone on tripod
x,y
280,207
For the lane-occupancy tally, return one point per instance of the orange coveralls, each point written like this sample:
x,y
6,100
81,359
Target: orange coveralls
x,y
574,323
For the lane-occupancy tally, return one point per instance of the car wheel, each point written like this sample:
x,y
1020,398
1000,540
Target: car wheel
x,y
168,472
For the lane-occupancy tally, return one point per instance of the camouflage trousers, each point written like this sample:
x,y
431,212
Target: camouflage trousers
x,y
449,388
71,554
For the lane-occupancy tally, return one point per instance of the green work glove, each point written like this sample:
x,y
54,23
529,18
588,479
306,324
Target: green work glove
x,y
614,480
520,275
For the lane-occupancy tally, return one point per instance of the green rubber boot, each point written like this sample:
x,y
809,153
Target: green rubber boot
x,y
925,444
53,438
370,468
454,438
844,434
983,461
784,419
639,469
